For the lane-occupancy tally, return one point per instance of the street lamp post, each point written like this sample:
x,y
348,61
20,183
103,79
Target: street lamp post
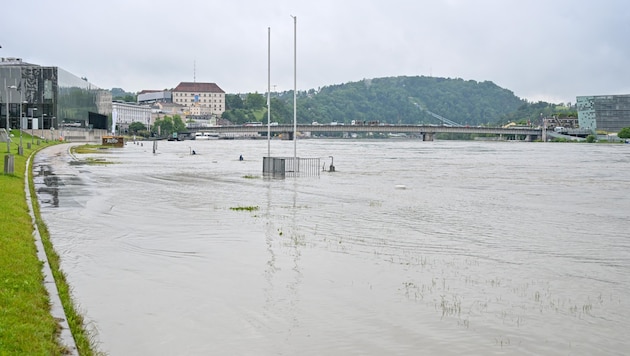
x,y
21,147
52,128
8,123
42,124
34,116
7,94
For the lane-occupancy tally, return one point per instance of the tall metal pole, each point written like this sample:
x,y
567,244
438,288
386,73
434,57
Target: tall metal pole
x,y
8,107
19,88
7,94
33,127
33,120
21,104
41,124
268,91
294,90
20,120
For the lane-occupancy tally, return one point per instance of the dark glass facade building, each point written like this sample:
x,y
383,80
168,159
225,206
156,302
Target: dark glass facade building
x,y
608,113
50,94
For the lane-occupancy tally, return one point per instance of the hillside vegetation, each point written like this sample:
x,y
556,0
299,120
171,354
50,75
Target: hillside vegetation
x,y
395,100
404,100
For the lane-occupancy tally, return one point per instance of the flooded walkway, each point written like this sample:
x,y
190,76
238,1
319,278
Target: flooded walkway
x,y
491,248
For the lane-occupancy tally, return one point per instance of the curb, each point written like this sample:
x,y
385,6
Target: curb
x,y
56,308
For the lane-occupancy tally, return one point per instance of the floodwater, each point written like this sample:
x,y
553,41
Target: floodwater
x,y
409,248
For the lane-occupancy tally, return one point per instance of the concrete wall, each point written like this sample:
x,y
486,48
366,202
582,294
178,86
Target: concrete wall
x,y
71,135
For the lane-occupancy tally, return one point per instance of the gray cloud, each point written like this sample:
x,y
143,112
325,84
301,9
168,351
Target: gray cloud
x,y
541,50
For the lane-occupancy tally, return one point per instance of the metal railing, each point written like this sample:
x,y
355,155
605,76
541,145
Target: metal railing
x,y
280,167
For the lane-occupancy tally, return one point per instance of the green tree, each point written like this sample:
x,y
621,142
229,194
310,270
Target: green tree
x,y
237,116
163,127
178,124
233,102
134,127
255,101
624,133
280,112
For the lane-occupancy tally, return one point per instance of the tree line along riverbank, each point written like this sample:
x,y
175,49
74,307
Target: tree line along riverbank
x,y
27,326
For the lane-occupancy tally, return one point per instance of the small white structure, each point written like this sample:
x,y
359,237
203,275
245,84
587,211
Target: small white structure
x,y
123,114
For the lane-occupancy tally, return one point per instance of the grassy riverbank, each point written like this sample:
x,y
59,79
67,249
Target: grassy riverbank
x,y
26,324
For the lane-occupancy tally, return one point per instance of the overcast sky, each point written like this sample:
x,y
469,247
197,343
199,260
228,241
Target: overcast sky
x,y
552,50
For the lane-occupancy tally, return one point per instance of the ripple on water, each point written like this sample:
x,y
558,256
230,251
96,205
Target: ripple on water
x,y
491,248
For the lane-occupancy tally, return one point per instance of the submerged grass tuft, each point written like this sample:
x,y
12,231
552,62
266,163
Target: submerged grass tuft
x,y
91,160
83,149
87,149
244,208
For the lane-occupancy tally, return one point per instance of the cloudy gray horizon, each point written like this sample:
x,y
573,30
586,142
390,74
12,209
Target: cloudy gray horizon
x,y
540,50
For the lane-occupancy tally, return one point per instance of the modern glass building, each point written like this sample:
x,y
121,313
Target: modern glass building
x,y
609,113
52,95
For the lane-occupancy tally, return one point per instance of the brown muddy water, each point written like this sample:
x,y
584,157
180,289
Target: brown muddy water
x,y
410,248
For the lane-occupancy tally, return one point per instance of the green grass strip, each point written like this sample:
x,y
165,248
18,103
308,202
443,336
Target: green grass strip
x,y
26,324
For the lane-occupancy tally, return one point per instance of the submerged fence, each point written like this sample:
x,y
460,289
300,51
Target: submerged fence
x,y
281,167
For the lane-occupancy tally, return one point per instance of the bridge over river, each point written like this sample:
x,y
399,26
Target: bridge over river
x,y
426,132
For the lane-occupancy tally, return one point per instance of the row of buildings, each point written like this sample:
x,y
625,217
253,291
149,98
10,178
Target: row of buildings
x,y
47,97
202,103
43,97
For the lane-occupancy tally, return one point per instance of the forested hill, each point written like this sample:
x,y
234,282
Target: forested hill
x,y
405,100
393,100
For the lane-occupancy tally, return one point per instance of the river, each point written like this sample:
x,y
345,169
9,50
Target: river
x,y
409,248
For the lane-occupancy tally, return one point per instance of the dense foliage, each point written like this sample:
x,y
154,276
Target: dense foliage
x,y
394,100
120,94
244,109
136,127
166,126
532,113
624,133
406,100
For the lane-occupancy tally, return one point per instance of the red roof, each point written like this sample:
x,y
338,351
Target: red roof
x,y
198,88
